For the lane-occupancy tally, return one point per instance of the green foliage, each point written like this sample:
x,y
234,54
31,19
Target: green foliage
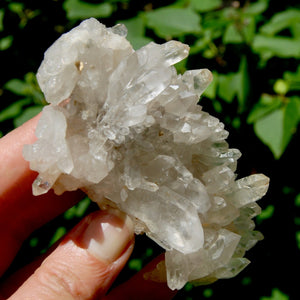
x,y
269,43
276,117
280,21
27,114
252,48
6,42
214,27
14,110
264,106
205,5
276,295
207,293
135,264
297,200
1,19
267,213
188,286
25,15
59,233
292,80
268,46
164,21
16,7
33,242
298,239
30,104
78,210
79,10
18,87
276,128
234,85
246,281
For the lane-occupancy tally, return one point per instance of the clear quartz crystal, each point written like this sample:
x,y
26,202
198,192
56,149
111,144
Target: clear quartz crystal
x,y
127,129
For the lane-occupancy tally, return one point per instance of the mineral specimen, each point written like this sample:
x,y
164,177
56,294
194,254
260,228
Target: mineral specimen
x,y
124,127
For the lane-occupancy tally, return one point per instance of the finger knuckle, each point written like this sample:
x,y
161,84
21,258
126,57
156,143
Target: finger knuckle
x,y
61,281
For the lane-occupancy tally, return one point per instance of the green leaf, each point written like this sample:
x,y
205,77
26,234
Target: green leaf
x,y
232,35
27,114
1,19
291,119
200,45
243,84
149,252
235,84
217,106
237,33
188,287
59,233
13,110
18,87
136,32
181,66
280,21
267,213
207,293
276,128
293,79
82,207
246,280
79,10
168,22
297,200
6,42
205,5
29,88
135,264
284,47
298,239
227,86
78,210
33,242
16,7
295,30
211,90
270,130
256,8
276,295
265,105
30,78
236,123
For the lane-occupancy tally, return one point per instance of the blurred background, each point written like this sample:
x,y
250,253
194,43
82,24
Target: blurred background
x,y
253,50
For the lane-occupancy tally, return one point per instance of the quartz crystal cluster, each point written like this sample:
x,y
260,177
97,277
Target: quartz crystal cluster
x,y
124,127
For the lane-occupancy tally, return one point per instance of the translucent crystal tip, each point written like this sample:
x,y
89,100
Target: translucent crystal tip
x,y
175,52
120,29
40,187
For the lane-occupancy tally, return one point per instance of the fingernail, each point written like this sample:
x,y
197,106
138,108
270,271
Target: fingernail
x,y
106,234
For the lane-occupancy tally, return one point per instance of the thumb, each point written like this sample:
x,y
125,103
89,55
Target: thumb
x,y
86,262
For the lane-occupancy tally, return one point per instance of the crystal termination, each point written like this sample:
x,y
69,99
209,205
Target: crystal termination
x,y
125,128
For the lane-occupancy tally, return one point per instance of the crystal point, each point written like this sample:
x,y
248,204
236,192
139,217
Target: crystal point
x,y
175,52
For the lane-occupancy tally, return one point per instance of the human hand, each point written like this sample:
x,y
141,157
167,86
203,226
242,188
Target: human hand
x,y
88,259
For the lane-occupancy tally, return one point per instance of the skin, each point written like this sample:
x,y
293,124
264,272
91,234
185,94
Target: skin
x,y
70,270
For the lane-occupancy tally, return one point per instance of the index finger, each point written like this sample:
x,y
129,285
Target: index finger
x,y
21,212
